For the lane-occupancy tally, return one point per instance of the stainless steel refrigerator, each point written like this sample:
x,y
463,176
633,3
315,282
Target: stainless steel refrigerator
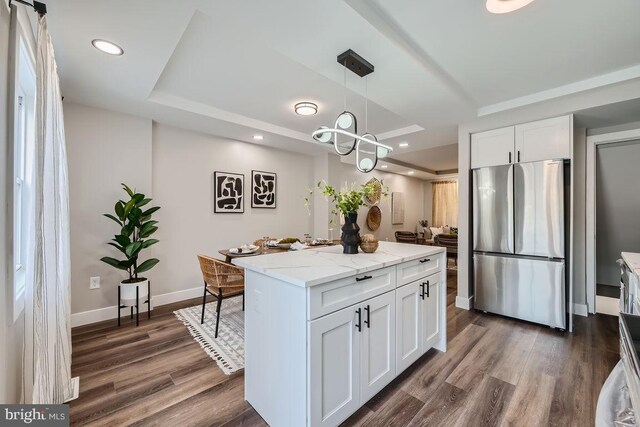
x,y
518,238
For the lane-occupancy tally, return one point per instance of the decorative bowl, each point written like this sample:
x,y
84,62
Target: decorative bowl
x,y
369,247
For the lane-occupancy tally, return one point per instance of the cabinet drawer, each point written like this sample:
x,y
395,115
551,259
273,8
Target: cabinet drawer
x,y
329,297
419,268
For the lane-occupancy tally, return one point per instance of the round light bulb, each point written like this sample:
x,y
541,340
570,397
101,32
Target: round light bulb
x,y
345,121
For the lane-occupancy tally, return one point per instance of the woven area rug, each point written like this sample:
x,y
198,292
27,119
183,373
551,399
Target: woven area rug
x,y
228,349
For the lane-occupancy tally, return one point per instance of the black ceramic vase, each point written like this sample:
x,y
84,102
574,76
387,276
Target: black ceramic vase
x,y
350,234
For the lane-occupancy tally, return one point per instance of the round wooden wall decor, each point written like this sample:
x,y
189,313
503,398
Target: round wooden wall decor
x,y
374,199
374,218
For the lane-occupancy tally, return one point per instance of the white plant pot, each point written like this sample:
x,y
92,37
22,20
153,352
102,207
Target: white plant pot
x,y
128,292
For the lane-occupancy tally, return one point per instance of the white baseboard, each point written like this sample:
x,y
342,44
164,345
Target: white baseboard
x,y
580,309
465,303
107,313
606,305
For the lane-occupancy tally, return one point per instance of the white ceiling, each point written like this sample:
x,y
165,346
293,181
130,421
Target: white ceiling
x,y
236,68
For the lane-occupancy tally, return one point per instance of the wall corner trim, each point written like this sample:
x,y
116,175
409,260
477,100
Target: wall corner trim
x,y
108,313
580,309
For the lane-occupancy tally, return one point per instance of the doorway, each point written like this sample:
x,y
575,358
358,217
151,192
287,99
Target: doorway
x,y
613,207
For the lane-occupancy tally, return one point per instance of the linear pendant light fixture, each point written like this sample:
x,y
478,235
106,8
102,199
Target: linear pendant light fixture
x,y
368,149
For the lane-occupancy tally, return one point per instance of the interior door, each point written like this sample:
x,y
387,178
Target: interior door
x,y
378,344
334,367
431,308
408,325
493,209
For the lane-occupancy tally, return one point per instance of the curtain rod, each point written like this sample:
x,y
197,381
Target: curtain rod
x,y
39,7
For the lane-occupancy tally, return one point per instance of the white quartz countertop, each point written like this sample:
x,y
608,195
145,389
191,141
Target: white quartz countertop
x,y
310,267
633,261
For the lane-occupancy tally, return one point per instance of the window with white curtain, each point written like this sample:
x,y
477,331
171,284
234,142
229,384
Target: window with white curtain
x,y
445,203
23,144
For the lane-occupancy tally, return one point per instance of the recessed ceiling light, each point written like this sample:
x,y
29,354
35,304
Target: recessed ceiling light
x,y
107,47
403,144
384,166
305,108
410,172
258,137
506,6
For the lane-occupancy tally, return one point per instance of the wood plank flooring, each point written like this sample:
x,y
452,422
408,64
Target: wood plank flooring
x,y
497,371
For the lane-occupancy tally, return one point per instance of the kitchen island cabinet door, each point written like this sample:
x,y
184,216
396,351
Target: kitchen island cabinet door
x,y
378,344
431,312
408,325
334,365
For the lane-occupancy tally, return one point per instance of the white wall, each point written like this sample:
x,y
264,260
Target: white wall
x,y
413,199
183,166
104,149
557,107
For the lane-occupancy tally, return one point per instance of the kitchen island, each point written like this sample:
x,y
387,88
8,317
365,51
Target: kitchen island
x,y
325,331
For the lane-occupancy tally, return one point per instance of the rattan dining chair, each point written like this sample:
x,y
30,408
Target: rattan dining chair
x,y
221,280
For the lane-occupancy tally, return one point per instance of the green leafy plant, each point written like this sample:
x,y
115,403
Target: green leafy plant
x,y
423,223
349,200
136,226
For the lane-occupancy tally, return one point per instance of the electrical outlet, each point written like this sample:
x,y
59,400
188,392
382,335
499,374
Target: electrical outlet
x,y
94,282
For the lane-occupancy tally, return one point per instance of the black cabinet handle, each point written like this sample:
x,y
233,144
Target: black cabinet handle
x,y
422,261
368,321
422,290
427,288
509,156
518,156
360,279
359,324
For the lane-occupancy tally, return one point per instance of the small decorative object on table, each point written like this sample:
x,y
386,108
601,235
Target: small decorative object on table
x,y
369,244
136,227
347,203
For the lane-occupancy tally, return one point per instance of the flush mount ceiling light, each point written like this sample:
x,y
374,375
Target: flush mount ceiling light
x,y
403,144
258,137
107,47
305,108
368,149
506,6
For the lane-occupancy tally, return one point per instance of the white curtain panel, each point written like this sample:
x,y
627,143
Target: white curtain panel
x,y
445,203
48,355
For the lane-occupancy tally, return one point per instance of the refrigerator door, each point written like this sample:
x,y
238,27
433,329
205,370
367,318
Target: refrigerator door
x,y
493,209
525,288
539,209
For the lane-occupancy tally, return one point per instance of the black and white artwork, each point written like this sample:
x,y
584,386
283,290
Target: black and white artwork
x,y
263,189
228,194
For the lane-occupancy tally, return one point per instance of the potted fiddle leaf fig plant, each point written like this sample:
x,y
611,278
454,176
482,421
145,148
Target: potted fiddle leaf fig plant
x,y
135,229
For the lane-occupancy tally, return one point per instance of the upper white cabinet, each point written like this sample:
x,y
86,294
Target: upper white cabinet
x,y
492,148
544,140
529,142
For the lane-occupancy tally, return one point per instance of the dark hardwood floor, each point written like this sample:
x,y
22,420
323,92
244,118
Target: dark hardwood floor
x,y
497,371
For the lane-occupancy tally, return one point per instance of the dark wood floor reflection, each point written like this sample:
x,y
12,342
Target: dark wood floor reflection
x,y
496,371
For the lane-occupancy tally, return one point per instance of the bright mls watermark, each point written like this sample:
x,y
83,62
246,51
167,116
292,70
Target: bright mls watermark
x,y
34,415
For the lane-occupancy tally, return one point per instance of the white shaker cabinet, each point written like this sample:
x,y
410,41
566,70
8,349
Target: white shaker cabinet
x,y
334,366
353,358
418,319
544,140
528,142
492,148
408,325
431,304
